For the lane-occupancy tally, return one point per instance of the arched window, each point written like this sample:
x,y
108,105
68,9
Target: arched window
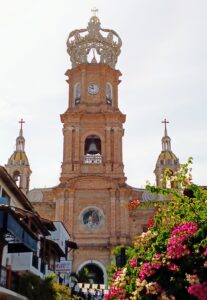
x,y
108,93
77,93
16,177
167,180
92,150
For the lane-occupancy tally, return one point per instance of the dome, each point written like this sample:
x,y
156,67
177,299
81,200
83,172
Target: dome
x,y
164,155
18,158
167,158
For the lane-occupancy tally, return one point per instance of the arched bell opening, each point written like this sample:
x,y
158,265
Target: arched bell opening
x,y
77,93
168,181
17,177
108,93
92,150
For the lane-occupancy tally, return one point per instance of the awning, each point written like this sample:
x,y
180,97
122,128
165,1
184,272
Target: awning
x,y
10,224
53,245
71,245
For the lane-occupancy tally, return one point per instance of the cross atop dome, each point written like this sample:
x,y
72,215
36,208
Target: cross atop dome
x,y
165,130
21,122
166,141
167,159
21,127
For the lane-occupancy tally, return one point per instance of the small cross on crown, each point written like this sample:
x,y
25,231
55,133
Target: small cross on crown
x,y
94,11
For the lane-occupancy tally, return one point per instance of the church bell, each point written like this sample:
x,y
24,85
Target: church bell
x,y
92,149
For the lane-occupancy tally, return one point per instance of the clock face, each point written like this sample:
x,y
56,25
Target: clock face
x,y
93,88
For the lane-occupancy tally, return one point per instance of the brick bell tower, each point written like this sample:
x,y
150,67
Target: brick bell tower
x,y
95,205
92,197
92,124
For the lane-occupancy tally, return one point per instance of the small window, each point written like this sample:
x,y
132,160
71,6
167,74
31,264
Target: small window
x,y
77,93
5,198
109,93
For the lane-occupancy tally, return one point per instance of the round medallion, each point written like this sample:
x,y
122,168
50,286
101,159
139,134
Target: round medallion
x,y
92,218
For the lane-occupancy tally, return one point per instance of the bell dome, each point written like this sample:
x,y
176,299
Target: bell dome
x,y
18,164
18,158
167,159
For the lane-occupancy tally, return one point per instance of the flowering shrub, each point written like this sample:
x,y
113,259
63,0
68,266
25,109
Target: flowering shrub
x,y
176,247
133,204
169,261
199,290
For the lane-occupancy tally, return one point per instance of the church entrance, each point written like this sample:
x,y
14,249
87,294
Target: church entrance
x,y
91,273
91,280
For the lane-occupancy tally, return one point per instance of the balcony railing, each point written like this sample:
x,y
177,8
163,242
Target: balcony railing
x,y
9,279
92,159
3,276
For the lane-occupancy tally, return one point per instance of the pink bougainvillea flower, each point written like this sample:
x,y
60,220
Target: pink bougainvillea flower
x,y
205,252
199,290
133,263
179,235
133,204
148,269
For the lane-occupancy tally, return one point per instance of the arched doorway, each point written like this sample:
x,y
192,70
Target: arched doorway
x,y
92,272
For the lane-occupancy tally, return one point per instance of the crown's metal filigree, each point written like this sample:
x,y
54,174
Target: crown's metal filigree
x,y
103,44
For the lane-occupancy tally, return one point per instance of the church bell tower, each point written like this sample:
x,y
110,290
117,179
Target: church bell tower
x,y
166,160
18,164
92,124
92,196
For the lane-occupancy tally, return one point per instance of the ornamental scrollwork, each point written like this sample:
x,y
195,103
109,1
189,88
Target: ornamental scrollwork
x,y
105,44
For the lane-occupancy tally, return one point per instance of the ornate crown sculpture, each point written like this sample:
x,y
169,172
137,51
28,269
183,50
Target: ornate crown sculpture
x,y
105,44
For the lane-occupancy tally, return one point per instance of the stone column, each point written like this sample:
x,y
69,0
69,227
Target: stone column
x,y
59,209
67,150
76,149
120,134
69,210
124,219
117,146
115,93
113,217
118,230
108,149
108,144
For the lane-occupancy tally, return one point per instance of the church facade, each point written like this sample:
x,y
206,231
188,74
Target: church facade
x,y
92,197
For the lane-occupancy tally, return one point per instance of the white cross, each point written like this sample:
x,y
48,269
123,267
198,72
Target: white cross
x,y
94,10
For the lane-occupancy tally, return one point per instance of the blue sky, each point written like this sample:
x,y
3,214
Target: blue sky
x,y
164,67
